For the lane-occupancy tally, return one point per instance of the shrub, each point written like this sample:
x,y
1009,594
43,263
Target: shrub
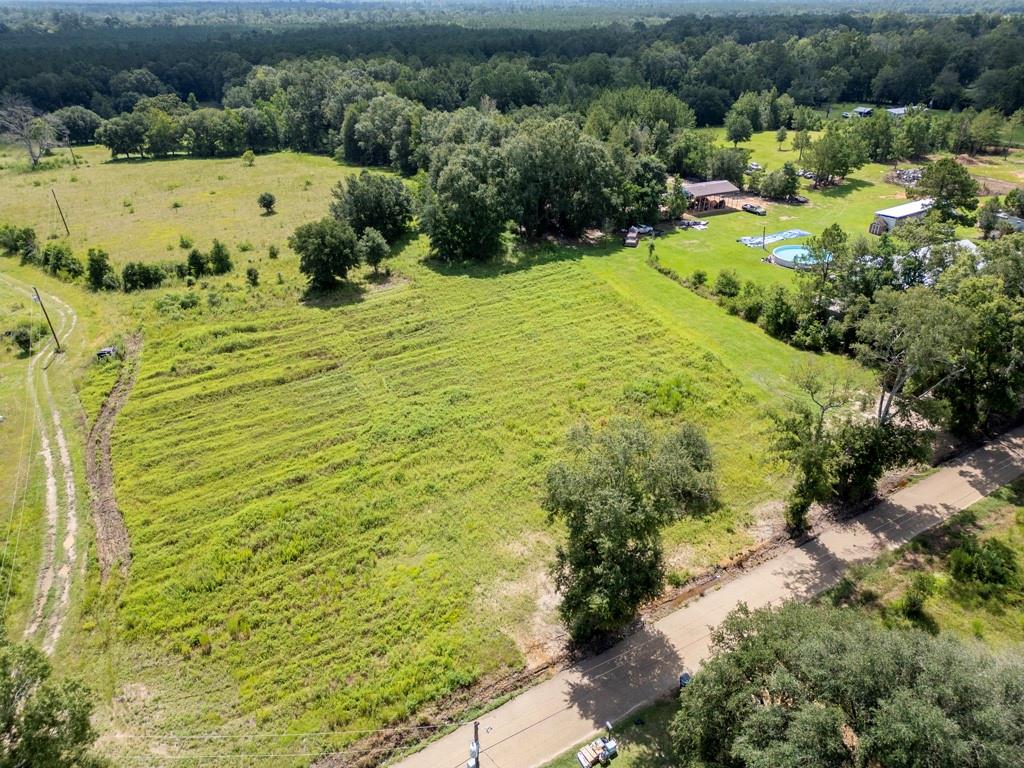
x,y
921,588
60,262
139,276
26,333
100,275
699,278
19,241
184,242
273,252
252,276
990,563
727,283
249,158
245,246
778,316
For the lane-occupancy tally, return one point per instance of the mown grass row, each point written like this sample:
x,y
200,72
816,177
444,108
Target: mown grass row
x,y
340,504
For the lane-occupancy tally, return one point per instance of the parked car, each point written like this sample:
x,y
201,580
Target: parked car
x,y
684,680
752,166
757,210
846,114
798,199
644,229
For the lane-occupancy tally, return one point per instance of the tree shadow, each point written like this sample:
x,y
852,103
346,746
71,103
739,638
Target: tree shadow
x,y
521,256
344,294
990,467
609,686
847,188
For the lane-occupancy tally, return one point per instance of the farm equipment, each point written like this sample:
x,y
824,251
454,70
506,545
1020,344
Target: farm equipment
x,y
601,751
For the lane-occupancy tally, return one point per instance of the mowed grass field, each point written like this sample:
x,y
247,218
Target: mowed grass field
x,y
335,505
851,205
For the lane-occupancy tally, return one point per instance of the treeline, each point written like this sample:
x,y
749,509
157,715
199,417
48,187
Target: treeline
x,y
948,62
57,259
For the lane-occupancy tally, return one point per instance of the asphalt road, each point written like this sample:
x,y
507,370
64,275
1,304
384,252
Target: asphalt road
x,y
550,718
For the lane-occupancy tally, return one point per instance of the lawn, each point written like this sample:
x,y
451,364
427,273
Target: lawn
x,y
851,205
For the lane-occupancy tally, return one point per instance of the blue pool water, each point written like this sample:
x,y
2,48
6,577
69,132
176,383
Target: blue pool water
x,y
793,257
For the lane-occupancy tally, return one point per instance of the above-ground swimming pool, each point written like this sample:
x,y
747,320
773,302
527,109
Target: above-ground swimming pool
x,y
793,257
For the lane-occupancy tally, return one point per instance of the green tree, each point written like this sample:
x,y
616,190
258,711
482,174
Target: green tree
x,y
220,259
462,210
835,154
801,141
780,136
249,158
988,219
801,438
372,248
197,263
373,200
327,251
833,688
45,723
737,128
252,276
267,201
620,488
954,191
163,133
912,338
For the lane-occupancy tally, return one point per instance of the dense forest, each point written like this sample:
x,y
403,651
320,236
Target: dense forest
x,y
708,61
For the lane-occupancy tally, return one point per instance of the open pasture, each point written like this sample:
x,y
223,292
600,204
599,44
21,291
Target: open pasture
x,y
335,504
138,210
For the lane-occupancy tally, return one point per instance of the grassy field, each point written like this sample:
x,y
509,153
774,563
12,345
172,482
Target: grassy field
x,y
139,210
334,505
998,622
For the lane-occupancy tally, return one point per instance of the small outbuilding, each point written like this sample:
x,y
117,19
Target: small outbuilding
x,y
710,196
863,111
888,219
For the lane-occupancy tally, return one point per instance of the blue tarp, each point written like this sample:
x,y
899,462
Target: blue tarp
x,y
774,237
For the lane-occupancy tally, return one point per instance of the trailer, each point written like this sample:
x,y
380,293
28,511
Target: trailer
x,y
600,751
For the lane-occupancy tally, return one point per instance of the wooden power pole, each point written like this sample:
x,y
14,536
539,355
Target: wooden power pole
x,y
60,211
46,314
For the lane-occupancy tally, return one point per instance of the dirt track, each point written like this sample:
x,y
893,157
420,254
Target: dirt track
x,y
112,543
57,564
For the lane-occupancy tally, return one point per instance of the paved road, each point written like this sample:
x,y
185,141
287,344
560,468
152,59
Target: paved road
x,y
550,718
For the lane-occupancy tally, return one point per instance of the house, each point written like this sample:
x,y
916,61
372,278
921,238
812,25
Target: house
x,y
888,219
863,111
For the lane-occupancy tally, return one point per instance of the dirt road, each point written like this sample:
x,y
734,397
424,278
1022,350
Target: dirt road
x,y
536,726
60,558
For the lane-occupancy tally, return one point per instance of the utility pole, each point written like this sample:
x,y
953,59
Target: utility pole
x,y
46,314
60,211
764,236
474,748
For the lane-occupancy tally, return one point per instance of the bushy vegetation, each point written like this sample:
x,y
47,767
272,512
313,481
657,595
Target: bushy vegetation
x,y
830,687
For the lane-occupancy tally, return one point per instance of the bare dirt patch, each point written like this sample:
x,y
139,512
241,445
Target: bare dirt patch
x,y
112,543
